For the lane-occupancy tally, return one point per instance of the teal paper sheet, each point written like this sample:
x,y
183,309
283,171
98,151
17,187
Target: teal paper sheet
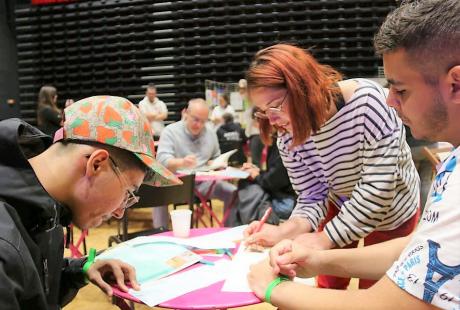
x,y
153,260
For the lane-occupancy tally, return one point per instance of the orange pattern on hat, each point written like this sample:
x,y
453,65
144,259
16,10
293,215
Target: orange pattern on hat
x,y
126,105
104,134
85,108
146,159
128,136
111,115
82,130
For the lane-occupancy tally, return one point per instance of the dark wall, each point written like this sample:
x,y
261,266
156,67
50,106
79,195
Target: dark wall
x,y
8,62
116,47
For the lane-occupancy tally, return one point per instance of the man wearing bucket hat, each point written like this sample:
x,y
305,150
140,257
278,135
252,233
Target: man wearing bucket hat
x,y
100,157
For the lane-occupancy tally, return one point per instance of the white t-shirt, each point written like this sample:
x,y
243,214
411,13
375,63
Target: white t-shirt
x,y
218,111
429,267
157,107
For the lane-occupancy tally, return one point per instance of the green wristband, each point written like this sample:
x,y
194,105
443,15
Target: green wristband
x,y
272,285
90,261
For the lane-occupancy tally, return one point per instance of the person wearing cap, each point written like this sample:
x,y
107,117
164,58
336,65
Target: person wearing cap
x,y
100,157
191,144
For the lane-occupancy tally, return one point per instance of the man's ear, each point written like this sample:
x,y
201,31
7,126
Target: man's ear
x,y
97,161
453,78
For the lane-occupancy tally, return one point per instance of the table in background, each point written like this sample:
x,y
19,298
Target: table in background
x,y
438,154
210,297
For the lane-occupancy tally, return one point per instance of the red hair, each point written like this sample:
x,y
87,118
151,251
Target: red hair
x,y
311,87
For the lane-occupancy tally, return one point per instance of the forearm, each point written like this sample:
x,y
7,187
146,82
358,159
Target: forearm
x,y
151,116
162,116
292,295
383,295
294,227
370,262
175,163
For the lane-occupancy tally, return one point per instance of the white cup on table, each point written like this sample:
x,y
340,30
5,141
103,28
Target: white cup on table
x,y
181,220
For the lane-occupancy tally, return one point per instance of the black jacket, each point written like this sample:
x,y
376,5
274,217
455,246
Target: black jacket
x,y
275,180
231,136
33,273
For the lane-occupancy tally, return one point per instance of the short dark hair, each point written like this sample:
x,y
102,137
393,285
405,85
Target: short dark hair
x,y
123,158
152,86
427,30
228,118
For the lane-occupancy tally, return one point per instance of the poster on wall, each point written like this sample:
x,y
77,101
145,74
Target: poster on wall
x,y
214,90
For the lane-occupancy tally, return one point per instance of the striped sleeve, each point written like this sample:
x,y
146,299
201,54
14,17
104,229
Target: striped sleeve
x,y
311,192
372,195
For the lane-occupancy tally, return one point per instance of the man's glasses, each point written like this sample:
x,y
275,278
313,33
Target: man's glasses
x,y
130,198
198,120
273,113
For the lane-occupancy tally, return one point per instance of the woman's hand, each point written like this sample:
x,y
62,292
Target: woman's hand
x,y
269,235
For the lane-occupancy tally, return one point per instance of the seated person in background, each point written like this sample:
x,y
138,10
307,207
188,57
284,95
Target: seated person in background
x,y
263,189
252,131
219,110
100,156
49,116
154,109
231,136
251,126
189,144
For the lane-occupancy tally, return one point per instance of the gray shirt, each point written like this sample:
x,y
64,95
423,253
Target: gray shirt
x,y
177,142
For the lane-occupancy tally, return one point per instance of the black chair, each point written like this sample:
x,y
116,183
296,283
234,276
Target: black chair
x,y
155,197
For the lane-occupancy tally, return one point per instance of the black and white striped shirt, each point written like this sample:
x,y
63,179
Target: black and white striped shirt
x,y
359,159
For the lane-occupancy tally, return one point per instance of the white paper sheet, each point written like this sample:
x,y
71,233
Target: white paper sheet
x,y
155,292
220,240
239,269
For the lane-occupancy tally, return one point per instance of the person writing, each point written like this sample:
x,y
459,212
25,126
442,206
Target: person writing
x,y
190,144
420,271
344,150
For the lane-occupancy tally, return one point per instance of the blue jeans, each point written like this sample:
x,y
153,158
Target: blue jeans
x,y
283,207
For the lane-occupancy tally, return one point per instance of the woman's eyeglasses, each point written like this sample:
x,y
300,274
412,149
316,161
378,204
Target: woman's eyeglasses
x,y
272,113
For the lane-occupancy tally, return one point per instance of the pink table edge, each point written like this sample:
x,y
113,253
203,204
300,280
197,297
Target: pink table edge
x,y
210,297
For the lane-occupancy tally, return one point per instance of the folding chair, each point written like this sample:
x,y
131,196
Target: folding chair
x,y
155,197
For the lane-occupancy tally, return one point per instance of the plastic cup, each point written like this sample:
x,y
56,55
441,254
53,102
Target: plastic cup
x,y
181,222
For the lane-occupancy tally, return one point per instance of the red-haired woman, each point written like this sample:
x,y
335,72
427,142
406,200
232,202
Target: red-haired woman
x,y
345,152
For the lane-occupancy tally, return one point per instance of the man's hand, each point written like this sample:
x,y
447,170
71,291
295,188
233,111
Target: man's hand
x,y
260,276
189,161
252,169
294,259
269,234
114,271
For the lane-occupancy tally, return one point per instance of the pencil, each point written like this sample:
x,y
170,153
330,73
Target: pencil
x,y
264,219
207,262
229,253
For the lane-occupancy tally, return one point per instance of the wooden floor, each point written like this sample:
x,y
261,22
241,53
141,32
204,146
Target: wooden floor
x,y
91,297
